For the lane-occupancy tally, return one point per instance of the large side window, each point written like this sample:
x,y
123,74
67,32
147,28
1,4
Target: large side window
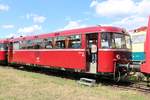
x,y
16,45
23,44
107,40
47,43
29,44
73,41
60,42
3,46
37,44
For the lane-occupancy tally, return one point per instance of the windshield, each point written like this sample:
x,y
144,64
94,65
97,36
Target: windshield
x,y
115,41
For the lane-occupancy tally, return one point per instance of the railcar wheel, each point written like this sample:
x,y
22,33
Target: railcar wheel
x,y
117,76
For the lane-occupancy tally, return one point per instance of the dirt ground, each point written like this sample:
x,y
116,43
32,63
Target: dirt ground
x,y
22,85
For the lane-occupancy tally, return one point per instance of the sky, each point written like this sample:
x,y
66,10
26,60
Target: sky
x,y
30,17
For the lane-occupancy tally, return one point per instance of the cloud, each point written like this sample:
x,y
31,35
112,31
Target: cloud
x,y
4,7
36,18
30,30
39,19
73,24
112,8
11,35
9,26
131,22
26,31
143,8
126,13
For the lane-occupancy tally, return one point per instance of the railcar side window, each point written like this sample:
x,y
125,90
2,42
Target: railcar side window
x,y
47,43
104,40
29,44
73,41
60,42
107,40
16,45
3,46
37,44
23,45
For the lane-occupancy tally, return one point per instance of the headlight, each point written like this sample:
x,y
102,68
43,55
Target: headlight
x,y
118,57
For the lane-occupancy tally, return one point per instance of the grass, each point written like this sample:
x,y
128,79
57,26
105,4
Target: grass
x,y
23,85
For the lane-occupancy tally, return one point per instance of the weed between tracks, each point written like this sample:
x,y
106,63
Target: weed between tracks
x,y
23,85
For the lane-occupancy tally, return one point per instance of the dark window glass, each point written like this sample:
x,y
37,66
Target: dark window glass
x,y
37,44
47,43
3,46
107,40
60,42
74,41
29,44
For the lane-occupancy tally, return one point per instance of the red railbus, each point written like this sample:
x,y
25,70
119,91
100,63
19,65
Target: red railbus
x,y
70,50
3,51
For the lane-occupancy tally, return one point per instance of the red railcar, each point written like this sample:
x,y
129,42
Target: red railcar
x,y
3,51
145,67
70,49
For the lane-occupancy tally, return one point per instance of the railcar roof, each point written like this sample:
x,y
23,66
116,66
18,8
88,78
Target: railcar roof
x,y
72,32
3,40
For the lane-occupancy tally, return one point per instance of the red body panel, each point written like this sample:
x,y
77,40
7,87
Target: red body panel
x,y
2,55
105,61
145,68
74,59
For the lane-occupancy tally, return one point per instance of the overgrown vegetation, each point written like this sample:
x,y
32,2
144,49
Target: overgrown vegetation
x,y
23,85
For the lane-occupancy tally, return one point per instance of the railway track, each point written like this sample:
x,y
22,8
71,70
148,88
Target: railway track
x,y
141,87
126,85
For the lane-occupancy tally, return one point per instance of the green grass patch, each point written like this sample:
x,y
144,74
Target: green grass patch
x,y
23,85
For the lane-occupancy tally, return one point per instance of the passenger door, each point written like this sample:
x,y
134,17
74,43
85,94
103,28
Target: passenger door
x,y
91,38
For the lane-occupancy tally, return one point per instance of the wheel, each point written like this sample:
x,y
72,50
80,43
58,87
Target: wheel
x,y
117,76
